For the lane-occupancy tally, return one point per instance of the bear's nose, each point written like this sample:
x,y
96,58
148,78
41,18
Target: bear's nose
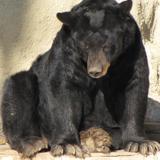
x,y
95,72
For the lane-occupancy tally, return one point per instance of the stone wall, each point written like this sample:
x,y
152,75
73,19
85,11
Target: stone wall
x,y
147,13
27,29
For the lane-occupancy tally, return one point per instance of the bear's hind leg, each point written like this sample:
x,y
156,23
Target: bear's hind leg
x,y
19,114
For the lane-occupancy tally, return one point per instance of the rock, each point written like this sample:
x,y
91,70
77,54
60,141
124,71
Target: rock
x,y
7,154
147,15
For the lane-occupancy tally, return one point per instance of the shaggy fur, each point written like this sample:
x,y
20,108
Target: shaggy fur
x,y
98,48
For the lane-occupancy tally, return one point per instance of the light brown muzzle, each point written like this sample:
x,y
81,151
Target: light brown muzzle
x,y
97,65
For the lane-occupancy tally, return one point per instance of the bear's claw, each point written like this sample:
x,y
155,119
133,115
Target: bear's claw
x,y
145,148
74,150
33,146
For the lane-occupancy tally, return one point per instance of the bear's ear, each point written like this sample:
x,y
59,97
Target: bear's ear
x,y
66,18
126,5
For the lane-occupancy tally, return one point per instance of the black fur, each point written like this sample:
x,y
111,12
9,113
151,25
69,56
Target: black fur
x,y
55,99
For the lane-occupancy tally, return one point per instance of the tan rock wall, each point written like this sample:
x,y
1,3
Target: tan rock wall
x,y
27,29
147,14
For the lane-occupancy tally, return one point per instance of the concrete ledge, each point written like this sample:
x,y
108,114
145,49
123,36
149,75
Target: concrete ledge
x,y
7,154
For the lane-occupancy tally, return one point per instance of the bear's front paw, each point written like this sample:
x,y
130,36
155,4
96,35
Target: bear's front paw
x,y
145,147
74,150
95,140
32,146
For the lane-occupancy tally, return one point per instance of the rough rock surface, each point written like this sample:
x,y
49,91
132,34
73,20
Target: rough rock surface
x,y
147,13
7,154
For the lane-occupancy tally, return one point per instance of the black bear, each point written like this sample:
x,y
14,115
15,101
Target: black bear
x,y
98,49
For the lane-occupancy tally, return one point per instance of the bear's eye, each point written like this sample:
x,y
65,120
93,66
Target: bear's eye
x,y
93,10
86,46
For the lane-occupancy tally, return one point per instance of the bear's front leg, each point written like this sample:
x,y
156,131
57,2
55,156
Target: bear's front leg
x,y
133,134
61,112
135,98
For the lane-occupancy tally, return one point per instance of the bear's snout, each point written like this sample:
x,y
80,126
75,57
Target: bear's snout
x,y
95,71
98,71
97,65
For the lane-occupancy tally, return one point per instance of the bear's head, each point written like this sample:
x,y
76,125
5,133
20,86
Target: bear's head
x,y
102,30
